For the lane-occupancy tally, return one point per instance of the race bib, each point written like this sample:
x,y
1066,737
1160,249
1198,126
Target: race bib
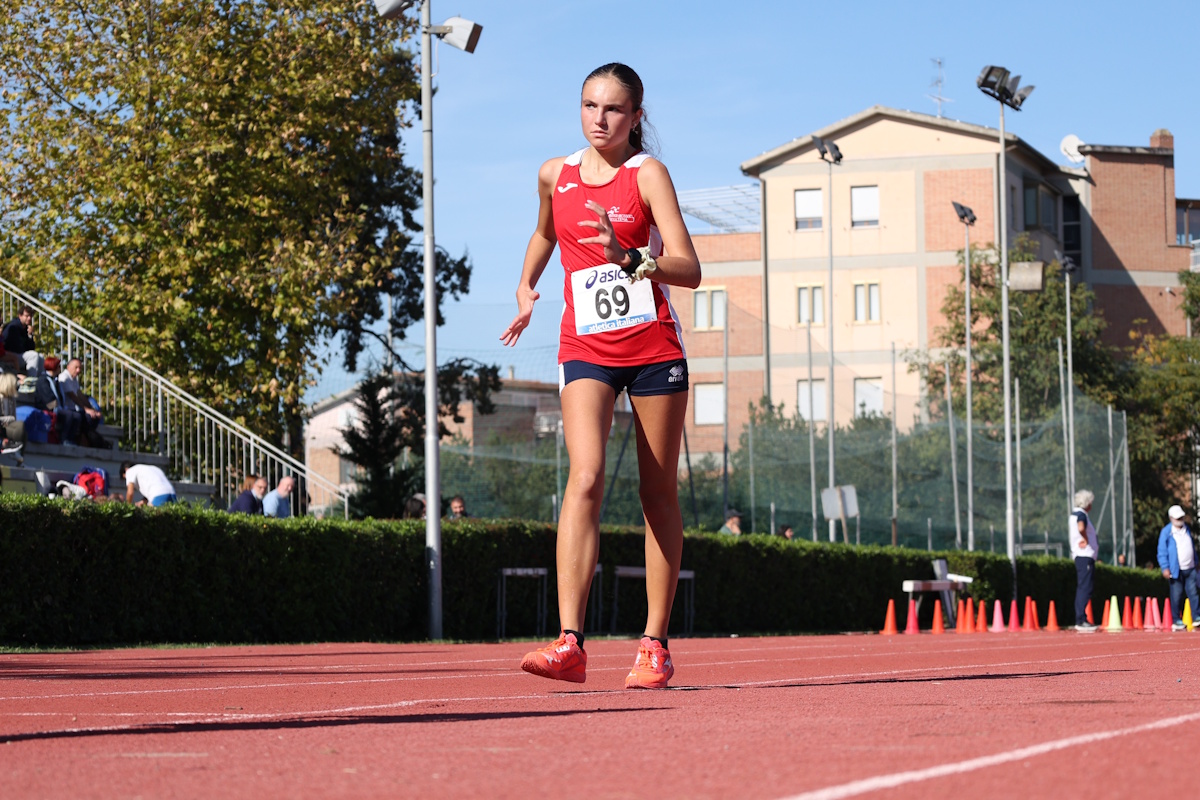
x,y
605,300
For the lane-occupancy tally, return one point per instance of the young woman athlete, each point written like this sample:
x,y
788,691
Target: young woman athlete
x,y
613,213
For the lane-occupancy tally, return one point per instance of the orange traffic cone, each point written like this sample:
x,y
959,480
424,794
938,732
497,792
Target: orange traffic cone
x,y
1014,619
938,625
1034,611
998,619
981,623
958,617
889,622
910,625
1091,620
1167,616
1052,619
1104,616
969,620
1126,614
1137,614
1027,622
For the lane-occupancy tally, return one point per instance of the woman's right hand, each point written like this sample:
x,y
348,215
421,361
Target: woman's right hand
x,y
525,300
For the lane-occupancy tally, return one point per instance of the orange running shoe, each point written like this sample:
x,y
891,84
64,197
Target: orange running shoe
x,y
561,660
652,668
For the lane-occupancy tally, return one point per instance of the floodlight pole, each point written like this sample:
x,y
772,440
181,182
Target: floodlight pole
x,y
1008,453
830,413
433,487
970,430
1070,385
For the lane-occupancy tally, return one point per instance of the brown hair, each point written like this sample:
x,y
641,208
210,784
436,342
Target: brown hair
x,y
641,136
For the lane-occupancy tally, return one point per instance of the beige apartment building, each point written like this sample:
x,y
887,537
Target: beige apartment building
x,y
896,241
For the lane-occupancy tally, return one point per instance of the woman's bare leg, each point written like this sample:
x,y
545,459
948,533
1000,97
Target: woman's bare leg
x,y
587,408
660,421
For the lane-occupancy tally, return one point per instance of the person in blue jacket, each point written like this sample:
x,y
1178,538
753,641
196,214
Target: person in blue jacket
x,y
1177,558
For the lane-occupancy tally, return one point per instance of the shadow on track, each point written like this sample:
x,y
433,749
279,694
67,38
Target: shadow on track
x,y
301,724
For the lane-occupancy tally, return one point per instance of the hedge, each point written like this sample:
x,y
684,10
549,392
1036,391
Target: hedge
x,y
77,573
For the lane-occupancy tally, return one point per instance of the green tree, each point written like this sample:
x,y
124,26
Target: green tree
x,y
375,444
217,187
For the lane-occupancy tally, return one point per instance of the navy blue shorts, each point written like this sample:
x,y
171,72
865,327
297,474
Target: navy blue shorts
x,y
667,377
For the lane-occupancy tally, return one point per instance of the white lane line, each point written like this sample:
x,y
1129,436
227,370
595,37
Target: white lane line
x,y
879,782
515,674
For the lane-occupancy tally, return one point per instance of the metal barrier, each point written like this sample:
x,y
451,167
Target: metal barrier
x,y
204,445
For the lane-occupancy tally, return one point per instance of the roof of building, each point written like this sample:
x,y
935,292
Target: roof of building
x,y
1085,149
728,209
756,165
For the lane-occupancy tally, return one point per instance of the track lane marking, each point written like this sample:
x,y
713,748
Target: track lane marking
x,y
879,782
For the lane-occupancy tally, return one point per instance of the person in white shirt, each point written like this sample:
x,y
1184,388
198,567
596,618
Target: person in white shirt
x,y
1177,559
278,501
1084,546
150,481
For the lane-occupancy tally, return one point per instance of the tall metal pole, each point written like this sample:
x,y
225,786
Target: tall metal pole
x,y
953,462
725,411
1020,527
433,488
970,424
1112,483
895,495
1129,495
1070,389
1008,452
830,412
1062,397
812,436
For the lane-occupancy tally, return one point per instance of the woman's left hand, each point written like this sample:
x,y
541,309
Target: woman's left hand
x,y
605,236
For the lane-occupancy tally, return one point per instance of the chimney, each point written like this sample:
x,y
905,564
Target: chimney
x,y
1162,138
512,372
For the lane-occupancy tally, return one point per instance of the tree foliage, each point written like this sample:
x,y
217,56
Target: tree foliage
x,y
216,187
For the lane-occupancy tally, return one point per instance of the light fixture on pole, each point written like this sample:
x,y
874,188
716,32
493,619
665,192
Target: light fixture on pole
x,y
831,155
1068,267
967,217
996,82
463,34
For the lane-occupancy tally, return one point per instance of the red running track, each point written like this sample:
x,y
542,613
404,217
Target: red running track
x,y
985,715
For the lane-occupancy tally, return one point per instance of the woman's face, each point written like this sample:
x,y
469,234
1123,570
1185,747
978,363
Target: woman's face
x,y
606,113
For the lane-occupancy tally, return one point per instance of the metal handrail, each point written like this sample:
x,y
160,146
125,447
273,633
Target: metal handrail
x,y
203,444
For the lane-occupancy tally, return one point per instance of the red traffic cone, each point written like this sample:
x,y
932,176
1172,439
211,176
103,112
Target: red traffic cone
x,y
1091,620
889,621
1014,621
1104,616
998,618
1126,614
1052,619
1027,621
938,625
1137,614
910,625
1167,616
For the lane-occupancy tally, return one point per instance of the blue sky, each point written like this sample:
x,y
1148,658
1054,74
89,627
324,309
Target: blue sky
x,y
725,82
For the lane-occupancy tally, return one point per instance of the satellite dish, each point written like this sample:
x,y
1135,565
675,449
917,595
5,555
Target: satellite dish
x,y
1070,148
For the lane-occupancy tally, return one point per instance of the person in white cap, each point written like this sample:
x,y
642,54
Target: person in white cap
x,y
1177,559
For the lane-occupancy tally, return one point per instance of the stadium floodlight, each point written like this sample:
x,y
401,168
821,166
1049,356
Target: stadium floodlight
x,y
831,155
996,82
967,217
464,35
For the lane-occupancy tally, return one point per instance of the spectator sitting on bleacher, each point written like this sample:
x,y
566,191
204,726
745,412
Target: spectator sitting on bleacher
x,y
18,340
251,500
49,397
278,501
150,481
13,429
75,400
10,362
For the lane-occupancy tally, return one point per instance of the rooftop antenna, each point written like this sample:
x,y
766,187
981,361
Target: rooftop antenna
x,y
938,83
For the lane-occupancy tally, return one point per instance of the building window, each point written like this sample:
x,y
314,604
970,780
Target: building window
x,y
709,309
1041,209
708,404
817,412
810,305
808,209
868,397
1187,224
1072,229
866,302
864,207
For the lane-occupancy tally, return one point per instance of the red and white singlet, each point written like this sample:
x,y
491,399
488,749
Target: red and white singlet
x,y
606,319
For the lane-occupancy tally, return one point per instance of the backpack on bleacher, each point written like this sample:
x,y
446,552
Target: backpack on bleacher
x,y
27,390
94,480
